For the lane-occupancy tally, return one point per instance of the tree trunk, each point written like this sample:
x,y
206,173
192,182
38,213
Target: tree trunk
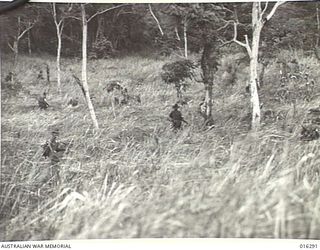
x,y
209,100
208,67
257,22
15,53
59,33
254,80
48,73
185,25
100,25
318,25
84,67
29,43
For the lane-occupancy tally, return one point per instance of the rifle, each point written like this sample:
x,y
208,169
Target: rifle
x,y
185,121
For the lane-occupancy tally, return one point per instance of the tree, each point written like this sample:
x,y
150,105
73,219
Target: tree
x,y
177,73
85,21
156,19
258,20
184,15
84,66
209,66
23,26
59,24
318,24
207,29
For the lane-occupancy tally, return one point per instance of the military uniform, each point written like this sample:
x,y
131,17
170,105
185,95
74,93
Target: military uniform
x,y
176,118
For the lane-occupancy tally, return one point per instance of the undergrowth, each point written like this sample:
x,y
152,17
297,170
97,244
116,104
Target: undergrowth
x,y
135,177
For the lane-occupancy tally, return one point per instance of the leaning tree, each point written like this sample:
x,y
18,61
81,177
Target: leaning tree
x,y
85,19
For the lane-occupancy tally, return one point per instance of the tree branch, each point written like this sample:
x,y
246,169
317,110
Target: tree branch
x,y
74,17
10,46
248,45
263,11
156,19
235,24
225,43
26,30
226,25
275,7
106,10
61,28
177,33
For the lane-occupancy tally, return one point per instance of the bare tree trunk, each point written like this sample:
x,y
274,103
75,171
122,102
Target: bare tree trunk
x,y
254,80
15,53
59,28
185,25
84,66
156,19
257,23
29,43
209,101
318,25
58,63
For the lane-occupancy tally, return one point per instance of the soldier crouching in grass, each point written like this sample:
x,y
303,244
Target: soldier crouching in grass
x,y
176,118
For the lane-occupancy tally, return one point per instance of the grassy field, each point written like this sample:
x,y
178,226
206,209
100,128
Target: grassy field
x,y
135,177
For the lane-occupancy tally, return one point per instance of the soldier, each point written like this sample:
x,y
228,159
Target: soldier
x,y
125,96
176,118
73,102
9,77
54,150
42,101
309,133
52,146
40,75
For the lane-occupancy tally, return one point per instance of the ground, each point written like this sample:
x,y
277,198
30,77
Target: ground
x,y
135,177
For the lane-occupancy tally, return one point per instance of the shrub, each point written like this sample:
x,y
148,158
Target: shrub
x,y
176,73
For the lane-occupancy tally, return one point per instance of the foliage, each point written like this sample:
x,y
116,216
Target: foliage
x,y
178,71
132,28
101,48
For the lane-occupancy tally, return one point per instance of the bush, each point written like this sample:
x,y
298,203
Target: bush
x,y
102,48
176,73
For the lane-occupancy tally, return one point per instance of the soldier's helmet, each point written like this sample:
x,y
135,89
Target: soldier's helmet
x,y
176,106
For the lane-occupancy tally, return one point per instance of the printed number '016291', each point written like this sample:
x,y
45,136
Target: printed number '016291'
x,y
309,246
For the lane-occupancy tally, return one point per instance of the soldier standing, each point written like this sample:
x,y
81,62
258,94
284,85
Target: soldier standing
x,y
176,118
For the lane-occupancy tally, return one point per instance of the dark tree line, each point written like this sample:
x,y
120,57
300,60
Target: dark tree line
x,y
133,28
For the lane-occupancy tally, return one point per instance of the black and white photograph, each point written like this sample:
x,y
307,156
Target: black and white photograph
x,y
160,120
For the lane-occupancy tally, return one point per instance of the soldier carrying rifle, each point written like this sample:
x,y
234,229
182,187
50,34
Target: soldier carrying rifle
x,y
176,118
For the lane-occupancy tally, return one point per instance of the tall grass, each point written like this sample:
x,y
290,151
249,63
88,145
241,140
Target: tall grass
x,y
137,178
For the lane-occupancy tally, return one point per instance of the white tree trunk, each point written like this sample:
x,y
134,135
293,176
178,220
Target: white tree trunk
x,y
185,24
59,28
58,59
84,66
318,25
258,20
254,79
208,100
